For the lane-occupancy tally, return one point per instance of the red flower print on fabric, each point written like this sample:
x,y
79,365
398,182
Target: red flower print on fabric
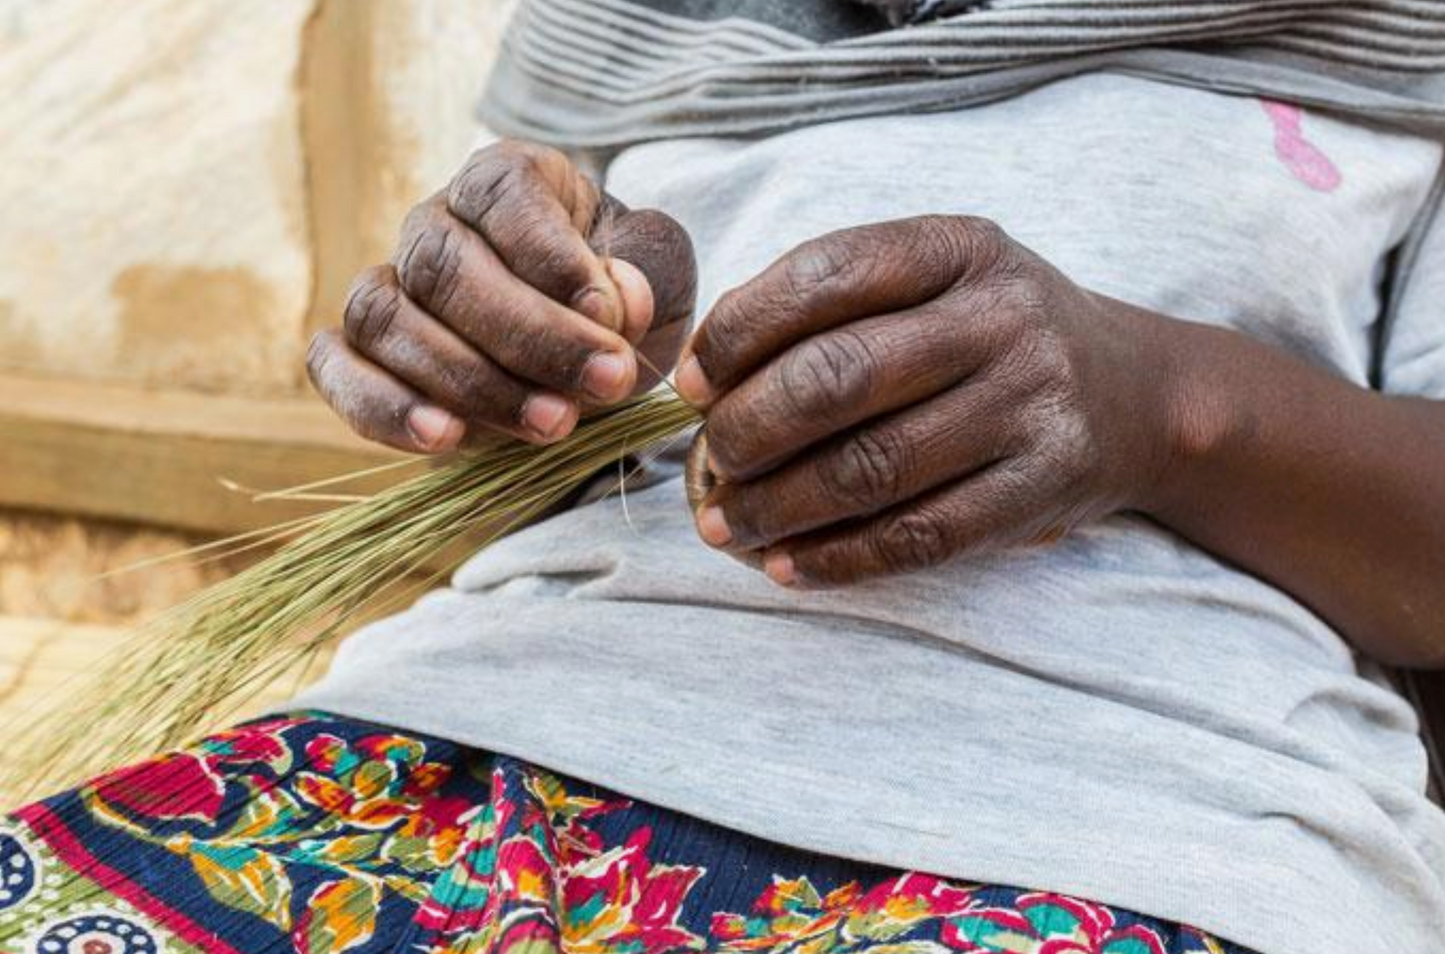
x,y
175,786
1040,923
323,836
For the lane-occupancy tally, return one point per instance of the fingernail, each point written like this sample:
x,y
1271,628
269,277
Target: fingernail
x,y
434,429
547,416
604,376
780,569
692,383
713,527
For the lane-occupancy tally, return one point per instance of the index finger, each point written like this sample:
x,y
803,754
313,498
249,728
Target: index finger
x,y
823,283
535,208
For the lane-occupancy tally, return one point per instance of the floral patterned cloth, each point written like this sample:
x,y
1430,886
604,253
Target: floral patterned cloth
x,y
322,835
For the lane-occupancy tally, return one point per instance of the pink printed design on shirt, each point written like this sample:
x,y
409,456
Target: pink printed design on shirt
x,y
1302,157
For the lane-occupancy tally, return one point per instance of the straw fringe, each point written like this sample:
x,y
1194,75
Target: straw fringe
x,y
199,662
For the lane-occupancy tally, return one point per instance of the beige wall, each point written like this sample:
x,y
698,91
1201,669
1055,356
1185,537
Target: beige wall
x,y
187,185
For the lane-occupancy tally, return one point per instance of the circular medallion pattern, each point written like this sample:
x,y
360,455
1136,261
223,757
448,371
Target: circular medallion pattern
x,y
99,933
19,871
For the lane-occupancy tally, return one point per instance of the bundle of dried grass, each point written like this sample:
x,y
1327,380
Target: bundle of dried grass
x,y
197,663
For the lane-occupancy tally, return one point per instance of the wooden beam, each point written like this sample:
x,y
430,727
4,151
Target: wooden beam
x,y
124,453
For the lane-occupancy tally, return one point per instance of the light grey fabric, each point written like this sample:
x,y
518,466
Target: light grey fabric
x,y
1121,716
602,74
1412,354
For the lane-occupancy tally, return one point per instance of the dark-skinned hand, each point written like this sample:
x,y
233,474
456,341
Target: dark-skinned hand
x,y
885,398
518,297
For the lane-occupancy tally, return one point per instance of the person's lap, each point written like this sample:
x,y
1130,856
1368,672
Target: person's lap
x,y
322,834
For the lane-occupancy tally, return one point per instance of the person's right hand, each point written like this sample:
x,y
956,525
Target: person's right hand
x,y
518,297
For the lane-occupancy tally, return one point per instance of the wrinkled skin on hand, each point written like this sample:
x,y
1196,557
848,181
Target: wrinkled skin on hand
x,y
879,400
886,398
518,298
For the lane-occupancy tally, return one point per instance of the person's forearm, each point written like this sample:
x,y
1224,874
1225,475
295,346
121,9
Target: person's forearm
x,y
1330,491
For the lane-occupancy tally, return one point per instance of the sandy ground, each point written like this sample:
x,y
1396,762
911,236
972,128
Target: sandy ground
x,y
41,659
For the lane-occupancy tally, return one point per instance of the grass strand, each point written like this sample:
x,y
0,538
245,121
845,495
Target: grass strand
x,y
209,655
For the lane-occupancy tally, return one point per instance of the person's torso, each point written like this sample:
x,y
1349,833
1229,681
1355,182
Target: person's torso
x,y
1121,684
1217,209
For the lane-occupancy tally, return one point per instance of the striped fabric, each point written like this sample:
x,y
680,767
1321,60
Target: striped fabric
x,y
606,73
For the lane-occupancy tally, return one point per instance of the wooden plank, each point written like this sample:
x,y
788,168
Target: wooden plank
x,y
124,453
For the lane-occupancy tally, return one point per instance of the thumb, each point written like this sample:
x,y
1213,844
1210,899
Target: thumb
x,y
638,306
648,249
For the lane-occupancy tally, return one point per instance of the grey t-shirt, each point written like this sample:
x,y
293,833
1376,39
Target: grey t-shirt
x,y
1121,716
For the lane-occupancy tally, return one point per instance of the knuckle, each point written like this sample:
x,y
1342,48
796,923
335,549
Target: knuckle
x,y
815,268
1030,347
1062,447
544,356
431,267
974,247
1026,293
371,310
551,254
867,471
650,227
329,378
1071,454
536,156
318,356
727,319
417,216
1040,353
1062,371
493,173
834,371
488,176
914,540
940,245
727,322
982,237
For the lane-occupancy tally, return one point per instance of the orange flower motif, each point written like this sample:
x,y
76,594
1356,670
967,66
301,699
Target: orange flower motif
x,y
792,916
372,783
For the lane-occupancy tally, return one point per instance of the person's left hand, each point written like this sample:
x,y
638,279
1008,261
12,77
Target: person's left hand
x,y
885,398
